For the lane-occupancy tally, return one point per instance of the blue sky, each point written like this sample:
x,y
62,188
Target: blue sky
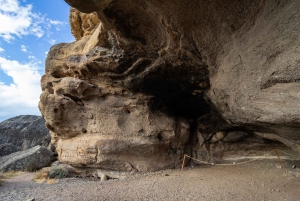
x,y
28,28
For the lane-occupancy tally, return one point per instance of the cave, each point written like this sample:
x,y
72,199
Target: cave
x,y
148,81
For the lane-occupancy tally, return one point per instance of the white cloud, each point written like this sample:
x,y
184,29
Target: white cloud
x,y
1,49
31,57
52,41
18,20
56,22
23,48
15,19
21,96
9,5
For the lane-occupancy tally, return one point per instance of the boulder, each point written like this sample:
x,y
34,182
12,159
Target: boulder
x,y
24,132
7,148
29,160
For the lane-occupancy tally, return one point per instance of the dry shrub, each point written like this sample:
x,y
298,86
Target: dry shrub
x,y
41,176
52,181
50,175
58,173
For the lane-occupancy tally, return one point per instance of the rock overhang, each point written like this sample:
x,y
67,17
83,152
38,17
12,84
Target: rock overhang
x,y
163,65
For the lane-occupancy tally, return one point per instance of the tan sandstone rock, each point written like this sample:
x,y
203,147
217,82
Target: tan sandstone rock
x,y
156,79
83,24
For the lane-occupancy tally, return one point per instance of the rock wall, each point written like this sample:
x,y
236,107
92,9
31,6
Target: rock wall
x,y
158,78
263,61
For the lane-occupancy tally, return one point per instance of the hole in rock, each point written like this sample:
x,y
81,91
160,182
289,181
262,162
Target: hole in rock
x,y
175,98
77,100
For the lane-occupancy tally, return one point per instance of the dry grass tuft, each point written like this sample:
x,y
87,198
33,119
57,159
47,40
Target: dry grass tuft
x,y
52,181
11,174
7,175
41,176
1,179
50,175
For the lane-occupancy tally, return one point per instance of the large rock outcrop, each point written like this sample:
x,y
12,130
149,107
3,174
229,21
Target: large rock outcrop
x,y
23,132
158,78
29,160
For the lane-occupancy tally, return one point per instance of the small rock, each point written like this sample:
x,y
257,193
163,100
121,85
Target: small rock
x,y
56,163
167,175
217,136
104,177
294,166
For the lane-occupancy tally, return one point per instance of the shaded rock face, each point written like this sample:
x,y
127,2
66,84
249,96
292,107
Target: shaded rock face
x,y
23,132
7,148
159,78
29,160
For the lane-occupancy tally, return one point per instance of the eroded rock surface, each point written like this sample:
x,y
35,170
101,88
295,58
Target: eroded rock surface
x,y
155,79
7,148
23,132
82,24
29,160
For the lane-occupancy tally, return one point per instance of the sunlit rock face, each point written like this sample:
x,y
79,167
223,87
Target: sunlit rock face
x,y
147,81
82,24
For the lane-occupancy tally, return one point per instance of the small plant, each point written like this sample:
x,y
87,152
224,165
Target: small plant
x,y
58,173
41,176
50,174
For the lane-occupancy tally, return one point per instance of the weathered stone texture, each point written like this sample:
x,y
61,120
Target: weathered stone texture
x,y
24,132
29,160
257,81
82,24
158,78
7,148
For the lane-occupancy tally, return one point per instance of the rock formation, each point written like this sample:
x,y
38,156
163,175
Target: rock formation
x,y
155,79
29,160
82,24
23,132
7,148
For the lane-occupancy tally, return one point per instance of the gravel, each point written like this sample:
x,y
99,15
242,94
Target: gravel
x,y
259,180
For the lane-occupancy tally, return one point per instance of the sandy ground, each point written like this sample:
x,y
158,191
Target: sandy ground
x,y
259,180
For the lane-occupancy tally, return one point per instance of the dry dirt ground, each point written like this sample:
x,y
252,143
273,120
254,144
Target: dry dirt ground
x,y
258,180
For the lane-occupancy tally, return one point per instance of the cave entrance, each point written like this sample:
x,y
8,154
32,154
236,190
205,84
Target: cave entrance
x,y
175,98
